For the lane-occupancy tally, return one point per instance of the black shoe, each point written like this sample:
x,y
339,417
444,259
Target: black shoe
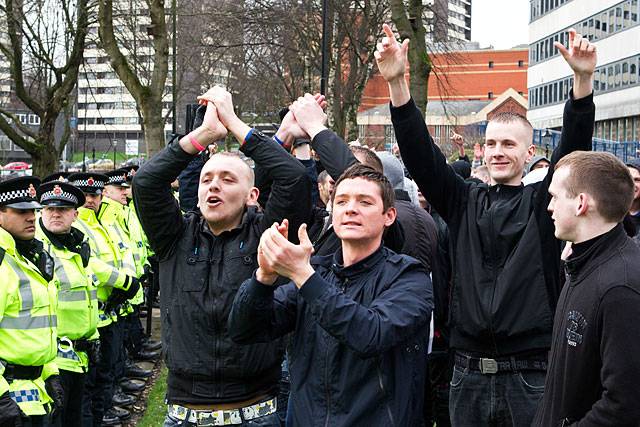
x,y
142,314
131,386
108,419
122,399
135,371
152,345
146,355
121,413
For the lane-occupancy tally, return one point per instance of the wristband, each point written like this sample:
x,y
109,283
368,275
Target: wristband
x,y
248,136
196,144
278,140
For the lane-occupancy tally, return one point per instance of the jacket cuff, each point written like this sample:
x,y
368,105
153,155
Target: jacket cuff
x,y
402,112
313,288
259,291
582,104
321,136
177,151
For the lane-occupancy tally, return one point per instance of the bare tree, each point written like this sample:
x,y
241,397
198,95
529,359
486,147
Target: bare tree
x,y
145,81
43,44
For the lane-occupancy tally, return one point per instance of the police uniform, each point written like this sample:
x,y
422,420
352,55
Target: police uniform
x,y
98,407
28,333
77,299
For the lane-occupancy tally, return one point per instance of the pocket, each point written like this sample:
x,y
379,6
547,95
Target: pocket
x,y
532,380
457,377
239,268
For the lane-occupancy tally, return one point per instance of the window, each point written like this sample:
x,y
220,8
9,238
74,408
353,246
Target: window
x,y
490,64
22,118
490,95
34,119
521,63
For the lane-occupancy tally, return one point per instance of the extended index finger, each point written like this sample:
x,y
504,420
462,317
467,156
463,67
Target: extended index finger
x,y
387,30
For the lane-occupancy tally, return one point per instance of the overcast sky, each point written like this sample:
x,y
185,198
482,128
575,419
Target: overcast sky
x,y
501,23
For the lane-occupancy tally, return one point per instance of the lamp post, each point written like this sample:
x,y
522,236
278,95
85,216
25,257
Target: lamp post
x,y
325,48
547,138
115,146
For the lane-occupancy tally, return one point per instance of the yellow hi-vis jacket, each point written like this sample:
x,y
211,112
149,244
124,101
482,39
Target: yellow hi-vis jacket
x,y
28,333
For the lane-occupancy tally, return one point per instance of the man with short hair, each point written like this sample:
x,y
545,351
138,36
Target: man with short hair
x,y
633,217
506,259
325,187
77,312
30,390
204,256
358,318
594,372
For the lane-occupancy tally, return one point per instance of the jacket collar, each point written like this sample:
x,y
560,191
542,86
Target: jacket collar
x,y
87,215
7,242
402,195
359,267
604,248
248,215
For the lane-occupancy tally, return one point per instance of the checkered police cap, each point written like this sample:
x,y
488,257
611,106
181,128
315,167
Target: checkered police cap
x,y
58,193
19,193
89,182
117,177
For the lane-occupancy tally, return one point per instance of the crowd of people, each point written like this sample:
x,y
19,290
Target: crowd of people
x,y
329,284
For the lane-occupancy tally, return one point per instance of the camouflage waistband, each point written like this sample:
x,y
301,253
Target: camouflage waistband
x,y
223,417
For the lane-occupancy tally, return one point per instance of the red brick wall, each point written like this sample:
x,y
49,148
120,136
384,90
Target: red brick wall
x,y
463,76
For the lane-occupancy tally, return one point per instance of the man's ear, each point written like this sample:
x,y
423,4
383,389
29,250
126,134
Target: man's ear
x,y
252,197
390,214
531,151
583,204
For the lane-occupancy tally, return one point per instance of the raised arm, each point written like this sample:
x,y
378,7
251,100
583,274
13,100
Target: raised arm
x,y
157,209
440,185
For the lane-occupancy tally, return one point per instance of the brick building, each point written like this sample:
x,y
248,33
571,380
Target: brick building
x,y
465,89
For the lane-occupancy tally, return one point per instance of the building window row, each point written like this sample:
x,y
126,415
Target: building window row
x,y
624,129
118,90
28,119
106,105
609,77
109,121
610,21
539,8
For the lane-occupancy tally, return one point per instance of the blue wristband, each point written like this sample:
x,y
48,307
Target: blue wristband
x,y
278,140
248,136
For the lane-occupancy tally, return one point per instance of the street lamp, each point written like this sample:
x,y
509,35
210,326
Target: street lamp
x,y
547,139
324,74
115,146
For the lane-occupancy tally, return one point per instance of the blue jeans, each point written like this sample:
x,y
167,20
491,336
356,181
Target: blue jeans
x,y
502,399
267,421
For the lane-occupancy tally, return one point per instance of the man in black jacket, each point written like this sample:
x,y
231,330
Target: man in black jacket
x,y
593,369
358,318
506,260
205,256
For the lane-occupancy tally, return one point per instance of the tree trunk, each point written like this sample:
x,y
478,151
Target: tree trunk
x,y
153,127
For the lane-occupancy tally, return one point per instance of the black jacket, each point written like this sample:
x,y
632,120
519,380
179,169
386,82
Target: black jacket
x,y
506,260
357,353
594,372
420,233
200,274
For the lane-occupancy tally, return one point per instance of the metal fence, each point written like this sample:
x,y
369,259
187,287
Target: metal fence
x,y
548,140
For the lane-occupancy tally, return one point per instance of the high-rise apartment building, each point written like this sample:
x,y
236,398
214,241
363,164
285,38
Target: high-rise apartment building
x,y
614,26
448,20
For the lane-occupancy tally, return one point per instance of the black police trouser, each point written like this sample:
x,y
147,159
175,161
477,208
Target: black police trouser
x,y
35,421
120,356
73,385
134,334
100,380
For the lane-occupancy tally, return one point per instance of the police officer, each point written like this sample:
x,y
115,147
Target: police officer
x,y
100,385
57,176
77,292
30,389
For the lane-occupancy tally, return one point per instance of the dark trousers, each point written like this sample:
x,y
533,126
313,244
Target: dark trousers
x,y
120,355
436,395
134,333
99,380
35,421
502,399
73,385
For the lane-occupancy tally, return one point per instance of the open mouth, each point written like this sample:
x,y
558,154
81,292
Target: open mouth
x,y
214,201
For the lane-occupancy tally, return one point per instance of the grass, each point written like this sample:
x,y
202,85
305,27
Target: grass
x,y
156,409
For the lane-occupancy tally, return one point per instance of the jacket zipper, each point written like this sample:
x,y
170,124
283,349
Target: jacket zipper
x,y
384,394
326,386
493,270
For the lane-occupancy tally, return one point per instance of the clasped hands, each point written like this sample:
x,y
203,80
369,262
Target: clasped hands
x,y
279,257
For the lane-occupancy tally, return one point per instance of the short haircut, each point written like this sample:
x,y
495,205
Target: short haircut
x,y
367,157
360,170
511,117
235,155
604,177
322,177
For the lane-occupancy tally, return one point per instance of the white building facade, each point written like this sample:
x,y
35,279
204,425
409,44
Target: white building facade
x,y
614,27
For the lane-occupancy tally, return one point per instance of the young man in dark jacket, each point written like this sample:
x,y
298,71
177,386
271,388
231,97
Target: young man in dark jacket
x,y
358,319
506,260
205,256
593,369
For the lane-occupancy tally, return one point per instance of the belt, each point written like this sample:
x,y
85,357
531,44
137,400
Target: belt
x,y
503,364
20,372
223,417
